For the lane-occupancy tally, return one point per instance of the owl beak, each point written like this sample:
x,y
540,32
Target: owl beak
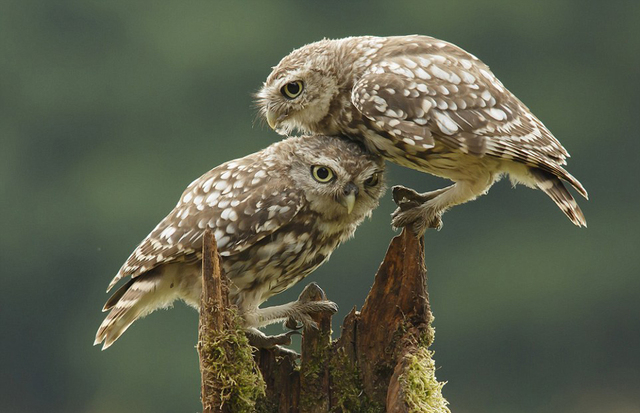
x,y
272,119
348,199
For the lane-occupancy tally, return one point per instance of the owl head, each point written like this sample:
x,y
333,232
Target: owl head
x,y
338,177
299,92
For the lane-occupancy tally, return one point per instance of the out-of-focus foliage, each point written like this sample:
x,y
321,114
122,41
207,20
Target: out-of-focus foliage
x,y
108,109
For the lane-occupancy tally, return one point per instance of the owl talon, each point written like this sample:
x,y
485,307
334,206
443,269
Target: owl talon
x,y
260,340
312,292
418,218
302,313
311,300
416,210
292,324
407,198
284,352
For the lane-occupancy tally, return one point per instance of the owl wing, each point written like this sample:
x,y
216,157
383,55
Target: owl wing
x,y
238,200
435,90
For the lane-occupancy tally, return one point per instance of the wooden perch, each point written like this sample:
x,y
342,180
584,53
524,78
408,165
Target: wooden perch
x,y
231,381
380,363
214,300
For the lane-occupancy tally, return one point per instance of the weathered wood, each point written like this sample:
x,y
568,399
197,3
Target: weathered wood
x,y
380,362
212,305
282,379
314,369
230,379
395,310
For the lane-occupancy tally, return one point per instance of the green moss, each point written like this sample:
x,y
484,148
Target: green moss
x,y
422,392
311,387
348,388
312,368
229,359
425,339
265,406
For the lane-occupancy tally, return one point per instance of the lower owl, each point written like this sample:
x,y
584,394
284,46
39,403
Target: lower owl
x,y
277,215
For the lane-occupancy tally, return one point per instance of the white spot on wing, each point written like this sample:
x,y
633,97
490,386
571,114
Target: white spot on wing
x,y
439,73
445,123
422,74
409,63
207,184
222,242
497,114
465,63
468,77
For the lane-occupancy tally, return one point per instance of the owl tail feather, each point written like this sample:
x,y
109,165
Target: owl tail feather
x,y
133,300
553,186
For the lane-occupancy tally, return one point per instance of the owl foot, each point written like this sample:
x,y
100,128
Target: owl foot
x,y
407,198
419,219
307,304
259,339
415,209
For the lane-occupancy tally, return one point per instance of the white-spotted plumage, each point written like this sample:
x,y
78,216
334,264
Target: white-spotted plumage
x,y
273,220
423,103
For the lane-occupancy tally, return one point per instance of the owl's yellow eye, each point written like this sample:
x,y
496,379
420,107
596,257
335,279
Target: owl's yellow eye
x,y
292,90
322,174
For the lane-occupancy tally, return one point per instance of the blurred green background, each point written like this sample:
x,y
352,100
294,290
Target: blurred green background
x,y
108,109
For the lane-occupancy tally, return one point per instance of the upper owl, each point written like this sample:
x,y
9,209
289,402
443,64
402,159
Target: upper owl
x,y
317,87
423,103
406,89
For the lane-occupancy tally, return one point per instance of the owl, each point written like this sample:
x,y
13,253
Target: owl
x,y
276,214
425,104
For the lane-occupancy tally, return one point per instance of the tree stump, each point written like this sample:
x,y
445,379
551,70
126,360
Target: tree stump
x,y
380,362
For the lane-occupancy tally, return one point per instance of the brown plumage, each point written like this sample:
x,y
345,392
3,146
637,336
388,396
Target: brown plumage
x,y
425,104
277,215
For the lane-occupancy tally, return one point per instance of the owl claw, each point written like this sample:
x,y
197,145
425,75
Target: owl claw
x,y
415,209
292,324
312,292
261,340
419,218
311,300
284,352
301,314
407,198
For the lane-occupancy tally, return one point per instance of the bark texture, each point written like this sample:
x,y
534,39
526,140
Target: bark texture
x,y
380,362
230,379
